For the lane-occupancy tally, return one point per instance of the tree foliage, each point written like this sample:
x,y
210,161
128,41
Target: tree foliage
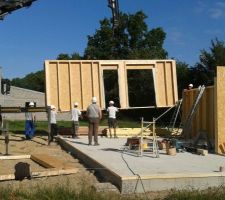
x,y
65,56
131,40
33,81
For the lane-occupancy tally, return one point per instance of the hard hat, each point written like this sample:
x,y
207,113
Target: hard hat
x,y
94,99
31,103
75,104
52,107
111,102
190,85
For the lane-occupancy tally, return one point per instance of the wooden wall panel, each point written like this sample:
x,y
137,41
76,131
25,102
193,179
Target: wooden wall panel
x,y
161,85
169,84
64,86
75,80
68,81
220,111
87,83
203,120
96,82
51,76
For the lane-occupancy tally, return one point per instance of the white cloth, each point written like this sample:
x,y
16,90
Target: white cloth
x,y
112,111
53,117
75,114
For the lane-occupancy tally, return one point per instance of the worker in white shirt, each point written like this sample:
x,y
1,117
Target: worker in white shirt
x,y
54,127
75,120
112,123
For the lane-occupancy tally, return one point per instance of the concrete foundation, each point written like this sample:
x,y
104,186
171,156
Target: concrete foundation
x,y
131,173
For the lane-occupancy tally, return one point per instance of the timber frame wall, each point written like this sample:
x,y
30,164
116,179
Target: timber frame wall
x,y
210,116
69,81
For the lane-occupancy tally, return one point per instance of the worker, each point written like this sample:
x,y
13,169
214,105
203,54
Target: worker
x,y
112,123
54,127
75,120
30,123
190,86
94,116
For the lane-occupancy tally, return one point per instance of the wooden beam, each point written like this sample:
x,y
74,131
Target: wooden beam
x,y
39,174
15,157
49,161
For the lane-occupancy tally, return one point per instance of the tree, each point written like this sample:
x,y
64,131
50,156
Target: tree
x,y
183,76
206,67
131,40
65,56
33,81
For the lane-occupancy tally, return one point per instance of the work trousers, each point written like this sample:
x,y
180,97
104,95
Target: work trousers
x,y
93,130
29,129
54,132
75,127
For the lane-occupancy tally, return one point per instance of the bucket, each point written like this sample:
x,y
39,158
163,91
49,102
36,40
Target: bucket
x,y
171,151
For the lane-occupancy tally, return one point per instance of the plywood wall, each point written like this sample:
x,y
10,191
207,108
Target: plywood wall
x,y
210,116
68,81
204,117
220,111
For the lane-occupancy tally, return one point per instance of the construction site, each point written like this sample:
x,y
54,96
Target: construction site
x,y
187,153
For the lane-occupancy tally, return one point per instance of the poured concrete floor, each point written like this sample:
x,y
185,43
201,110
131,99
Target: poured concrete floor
x,y
113,155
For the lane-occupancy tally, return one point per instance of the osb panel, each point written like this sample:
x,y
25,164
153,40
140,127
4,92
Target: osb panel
x,y
51,74
123,90
79,80
169,83
203,120
87,86
75,82
220,112
96,82
64,86
160,85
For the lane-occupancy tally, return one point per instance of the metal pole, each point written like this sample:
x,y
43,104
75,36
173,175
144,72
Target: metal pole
x,y
49,123
141,141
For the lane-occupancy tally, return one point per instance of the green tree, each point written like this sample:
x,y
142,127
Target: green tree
x,y
183,76
131,40
205,70
65,56
33,81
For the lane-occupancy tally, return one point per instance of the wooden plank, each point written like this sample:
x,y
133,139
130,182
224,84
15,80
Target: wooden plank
x,y
161,85
49,161
52,85
86,79
96,83
39,174
169,84
64,89
75,80
220,111
15,157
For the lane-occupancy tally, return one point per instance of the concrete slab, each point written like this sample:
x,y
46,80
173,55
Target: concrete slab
x,y
131,173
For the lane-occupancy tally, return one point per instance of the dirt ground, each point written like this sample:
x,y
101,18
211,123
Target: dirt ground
x,y
19,146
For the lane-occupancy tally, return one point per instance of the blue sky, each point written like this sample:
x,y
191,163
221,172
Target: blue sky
x,y
30,36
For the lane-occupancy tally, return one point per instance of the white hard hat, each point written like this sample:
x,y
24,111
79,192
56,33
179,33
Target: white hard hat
x,y
31,103
190,85
111,102
75,104
52,107
94,99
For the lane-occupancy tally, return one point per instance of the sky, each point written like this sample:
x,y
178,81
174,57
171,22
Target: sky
x,y
29,36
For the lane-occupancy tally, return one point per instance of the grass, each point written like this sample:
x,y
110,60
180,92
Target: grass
x,y
15,126
66,193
